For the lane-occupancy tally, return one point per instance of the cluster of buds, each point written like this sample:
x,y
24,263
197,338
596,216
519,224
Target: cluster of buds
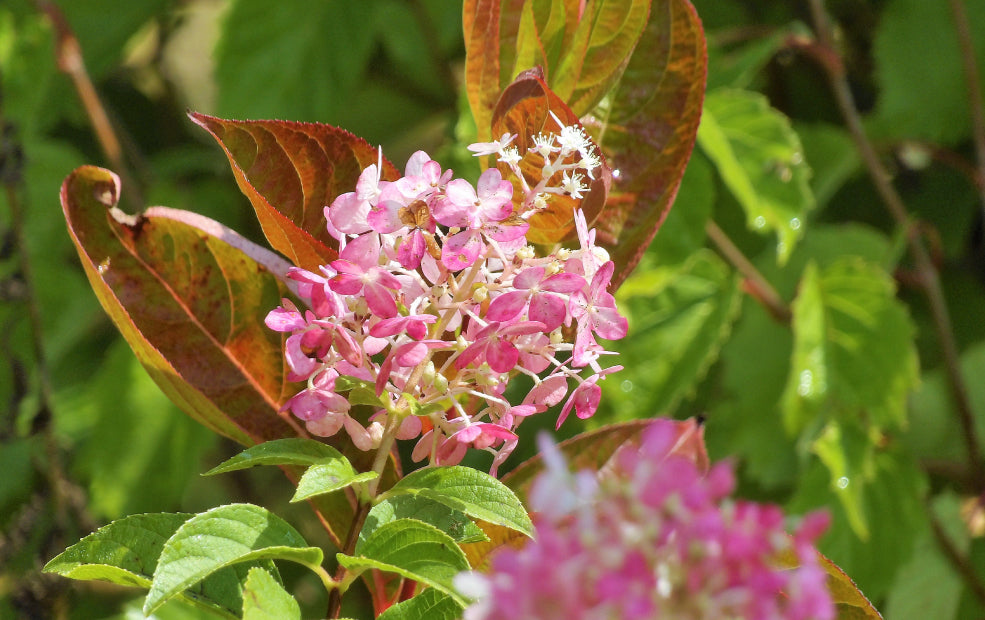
x,y
436,301
652,538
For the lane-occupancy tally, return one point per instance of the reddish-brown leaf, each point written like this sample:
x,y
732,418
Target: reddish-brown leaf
x,y
290,171
525,109
650,130
190,306
583,48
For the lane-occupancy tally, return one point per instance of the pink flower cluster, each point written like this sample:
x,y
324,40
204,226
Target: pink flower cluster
x,y
436,301
652,538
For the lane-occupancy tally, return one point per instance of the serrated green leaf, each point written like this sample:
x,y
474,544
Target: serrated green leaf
x,y
414,550
473,492
290,451
222,537
761,161
126,552
853,347
264,597
330,476
679,317
847,454
430,604
448,520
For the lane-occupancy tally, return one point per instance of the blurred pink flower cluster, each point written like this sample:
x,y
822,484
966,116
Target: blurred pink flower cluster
x,y
436,301
652,538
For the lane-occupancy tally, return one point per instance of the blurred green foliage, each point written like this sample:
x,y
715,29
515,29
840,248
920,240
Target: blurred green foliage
x,y
870,433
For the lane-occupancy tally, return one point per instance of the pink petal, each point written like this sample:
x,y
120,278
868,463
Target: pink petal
x,y
549,392
563,282
380,301
501,355
461,250
609,324
529,277
506,232
284,320
347,214
548,309
364,251
507,306
411,250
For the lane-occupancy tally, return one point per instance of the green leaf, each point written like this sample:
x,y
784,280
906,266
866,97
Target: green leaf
x,y
467,490
190,305
290,171
679,317
328,42
923,93
414,550
126,552
910,598
761,161
328,477
290,451
847,453
650,123
853,347
448,520
431,604
221,537
264,597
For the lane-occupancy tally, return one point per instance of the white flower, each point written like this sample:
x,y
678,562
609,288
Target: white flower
x,y
489,148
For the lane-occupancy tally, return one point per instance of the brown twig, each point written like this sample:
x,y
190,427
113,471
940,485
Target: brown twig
x,y
975,98
928,275
70,61
755,284
959,560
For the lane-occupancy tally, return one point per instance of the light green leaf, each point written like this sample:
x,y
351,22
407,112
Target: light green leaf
x,y
679,317
264,597
467,490
221,537
448,520
853,347
847,454
328,477
430,604
761,161
126,552
414,550
292,451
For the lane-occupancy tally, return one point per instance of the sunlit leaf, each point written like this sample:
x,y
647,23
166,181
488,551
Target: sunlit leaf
x,y
761,161
190,305
467,490
452,522
290,171
414,550
126,552
264,598
648,130
289,451
679,316
527,108
430,604
222,537
582,47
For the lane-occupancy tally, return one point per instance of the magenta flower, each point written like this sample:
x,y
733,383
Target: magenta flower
x,y
491,345
348,212
653,538
359,271
533,291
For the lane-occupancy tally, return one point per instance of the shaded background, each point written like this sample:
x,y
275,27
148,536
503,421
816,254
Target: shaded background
x,y
85,436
